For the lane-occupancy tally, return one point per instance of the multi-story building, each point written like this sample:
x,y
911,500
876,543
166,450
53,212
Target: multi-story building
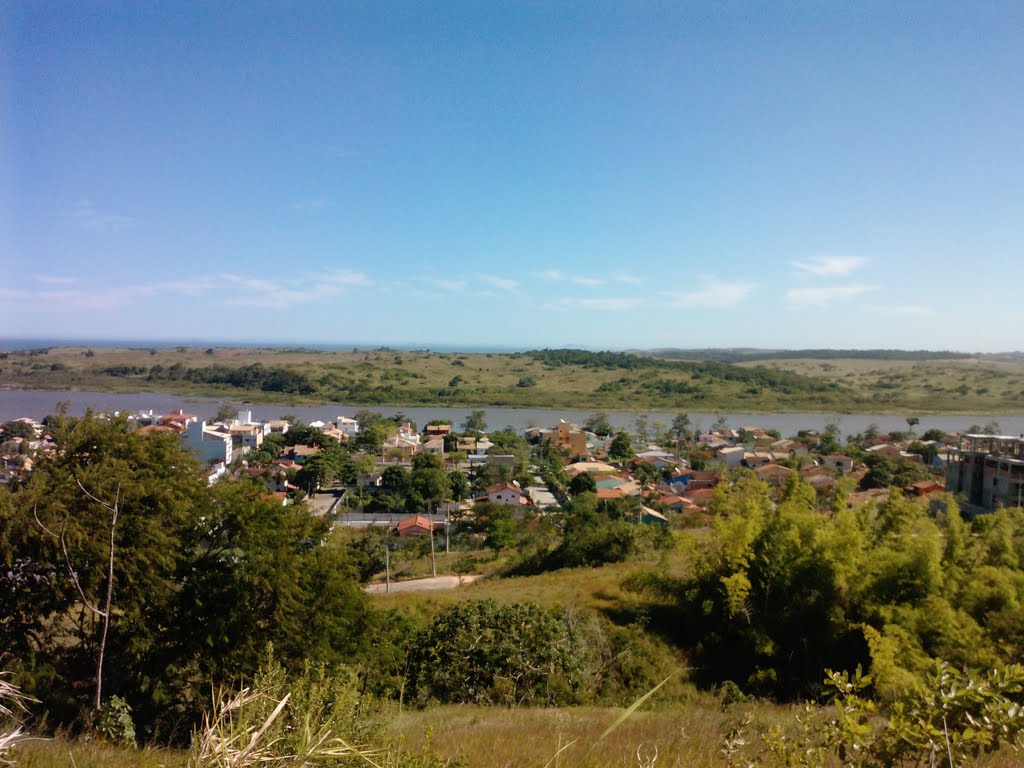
x,y
988,470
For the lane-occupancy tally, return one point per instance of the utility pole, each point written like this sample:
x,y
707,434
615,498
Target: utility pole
x,y
433,562
387,570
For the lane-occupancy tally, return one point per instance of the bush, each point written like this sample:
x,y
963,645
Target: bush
x,y
483,653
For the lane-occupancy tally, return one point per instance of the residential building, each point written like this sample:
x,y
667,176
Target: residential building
x,y
210,445
774,474
247,436
988,470
838,461
349,426
570,437
732,456
507,493
418,525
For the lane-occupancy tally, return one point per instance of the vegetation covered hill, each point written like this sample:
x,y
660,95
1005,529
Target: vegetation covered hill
x,y
562,378
130,589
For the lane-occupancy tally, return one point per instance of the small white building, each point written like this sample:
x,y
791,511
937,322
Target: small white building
x,y
732,456
209,445
507,493
349,426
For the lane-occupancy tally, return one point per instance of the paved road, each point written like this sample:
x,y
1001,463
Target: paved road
x,y
423,585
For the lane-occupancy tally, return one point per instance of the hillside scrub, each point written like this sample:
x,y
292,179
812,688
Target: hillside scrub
x,y
781,591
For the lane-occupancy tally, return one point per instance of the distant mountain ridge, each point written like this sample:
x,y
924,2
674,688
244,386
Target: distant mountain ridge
x,y
749,354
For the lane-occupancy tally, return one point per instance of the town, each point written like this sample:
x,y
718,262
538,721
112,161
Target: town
x,y
372,470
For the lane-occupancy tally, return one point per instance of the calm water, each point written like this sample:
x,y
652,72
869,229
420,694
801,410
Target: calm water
x,y
37,404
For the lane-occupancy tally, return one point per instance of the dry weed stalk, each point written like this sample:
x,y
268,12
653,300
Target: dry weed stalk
x,y
11,700
229,740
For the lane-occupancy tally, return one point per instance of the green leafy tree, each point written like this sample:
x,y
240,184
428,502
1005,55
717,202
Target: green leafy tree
x,y
479,652
646,475
395,479
12,429
476,421
681,428
430,485
317,471
641,428
458,485
202,577
621,447
226,412
100,524
599,424
584,482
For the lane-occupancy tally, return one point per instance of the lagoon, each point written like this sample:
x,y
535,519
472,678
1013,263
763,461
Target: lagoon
x,y
38,403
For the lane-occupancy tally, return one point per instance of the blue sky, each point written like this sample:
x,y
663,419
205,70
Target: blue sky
x,y
606,175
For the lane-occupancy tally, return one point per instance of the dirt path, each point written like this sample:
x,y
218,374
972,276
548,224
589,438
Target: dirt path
x,y
423,585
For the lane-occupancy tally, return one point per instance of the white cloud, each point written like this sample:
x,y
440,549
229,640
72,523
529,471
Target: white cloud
x,y
445,284
314,204
504,283
54,301
903,310
88,215
64,294
597,305
550,274
318,287
712,293
609,305
831,266
588,281
822,296
627,279
344,277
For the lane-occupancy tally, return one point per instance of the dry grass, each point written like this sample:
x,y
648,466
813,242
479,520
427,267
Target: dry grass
x,y
406,378
597,588
65,753
688,736
969,385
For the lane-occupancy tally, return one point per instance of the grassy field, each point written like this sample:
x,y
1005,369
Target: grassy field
x,y
970,385
595,588
554,380
689,735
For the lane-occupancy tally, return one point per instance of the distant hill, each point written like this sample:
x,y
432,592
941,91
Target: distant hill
x,y
746,354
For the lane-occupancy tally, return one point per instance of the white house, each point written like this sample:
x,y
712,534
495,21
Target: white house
x,y
507,493
210,445
732,456
349,426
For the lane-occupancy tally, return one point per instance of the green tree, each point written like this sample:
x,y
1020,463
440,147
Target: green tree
x,y
226,412
395,479
646,475
12,429
642,431
479,652
599,424
458,484
584,482
621,448
476,421
67,548
430,486
681,428
202,577
317,471
502,533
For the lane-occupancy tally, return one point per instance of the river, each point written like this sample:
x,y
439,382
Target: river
x,y
36,404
